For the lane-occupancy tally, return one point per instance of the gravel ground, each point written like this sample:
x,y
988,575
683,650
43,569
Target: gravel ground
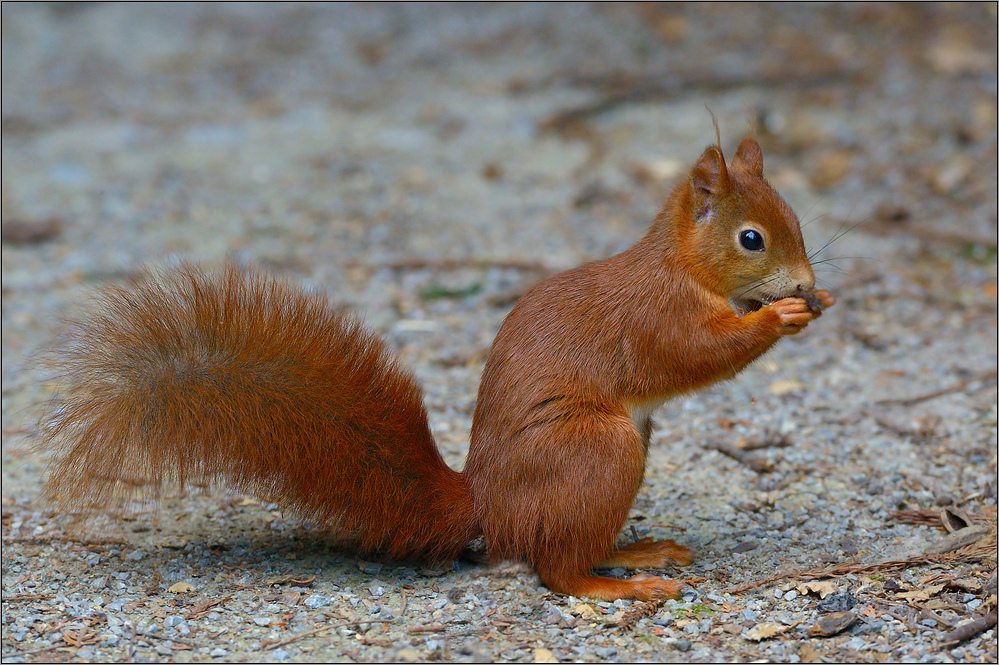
x,y
424,165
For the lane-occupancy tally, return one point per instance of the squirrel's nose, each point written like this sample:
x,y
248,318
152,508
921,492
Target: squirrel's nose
x,y
806,281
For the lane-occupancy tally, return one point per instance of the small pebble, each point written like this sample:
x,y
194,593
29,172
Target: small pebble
x,y
316,601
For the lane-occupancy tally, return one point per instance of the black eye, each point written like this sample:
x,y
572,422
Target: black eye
x,y
751,240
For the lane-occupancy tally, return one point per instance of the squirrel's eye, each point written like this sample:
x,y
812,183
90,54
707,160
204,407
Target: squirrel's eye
x,y
751,240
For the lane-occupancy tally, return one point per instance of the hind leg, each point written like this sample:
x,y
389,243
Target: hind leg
x,y
566,490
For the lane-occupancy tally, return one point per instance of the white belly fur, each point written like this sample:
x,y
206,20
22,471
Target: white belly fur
x,y
641,412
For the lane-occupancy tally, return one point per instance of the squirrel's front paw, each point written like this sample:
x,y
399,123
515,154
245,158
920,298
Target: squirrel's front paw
x,y
793,314
827,298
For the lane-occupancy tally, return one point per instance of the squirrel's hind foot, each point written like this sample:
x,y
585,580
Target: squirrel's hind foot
x,y
639,587
648,553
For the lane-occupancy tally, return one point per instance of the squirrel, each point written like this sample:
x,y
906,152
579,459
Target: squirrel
x,y
233,378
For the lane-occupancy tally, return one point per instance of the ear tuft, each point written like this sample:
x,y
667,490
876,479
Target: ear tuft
x,y
749,157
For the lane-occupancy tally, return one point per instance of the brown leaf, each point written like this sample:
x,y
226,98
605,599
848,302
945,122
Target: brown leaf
x,y
919,595
201,609
764,631
822,588
966,584
832,624
954,519
808,654
79,638
23,232
544,656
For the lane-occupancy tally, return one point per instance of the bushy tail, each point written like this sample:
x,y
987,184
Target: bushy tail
x,y
235,379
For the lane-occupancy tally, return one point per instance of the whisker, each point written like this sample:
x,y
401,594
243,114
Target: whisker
x,y
847,258
836,236
814,219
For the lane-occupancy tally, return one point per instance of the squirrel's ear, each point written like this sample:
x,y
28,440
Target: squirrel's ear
x,y
708,178
749,158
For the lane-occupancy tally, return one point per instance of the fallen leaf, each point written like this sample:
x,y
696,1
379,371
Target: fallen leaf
x,y
291,598
764,631
808,654
29,232
832,624
785,386
202,609
544,656
966,584
954,519
181,587
822,588
918,595
79,638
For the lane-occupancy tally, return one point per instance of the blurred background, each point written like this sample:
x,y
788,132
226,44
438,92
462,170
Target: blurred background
x,y
421,161
424,164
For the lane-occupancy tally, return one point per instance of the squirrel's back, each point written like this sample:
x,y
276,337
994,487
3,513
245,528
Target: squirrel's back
x,y
233,378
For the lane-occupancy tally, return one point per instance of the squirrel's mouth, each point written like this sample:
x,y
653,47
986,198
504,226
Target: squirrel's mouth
x,y
747,305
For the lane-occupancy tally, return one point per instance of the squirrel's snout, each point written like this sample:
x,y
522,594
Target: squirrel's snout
x,y
806,281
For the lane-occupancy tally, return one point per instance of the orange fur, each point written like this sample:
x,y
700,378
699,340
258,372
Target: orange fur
x,y
235,379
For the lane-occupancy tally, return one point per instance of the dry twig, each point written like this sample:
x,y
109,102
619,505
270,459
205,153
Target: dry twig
x,y
455,264
742,457
981,551
968,630
956,388
622,89
322,629
641,611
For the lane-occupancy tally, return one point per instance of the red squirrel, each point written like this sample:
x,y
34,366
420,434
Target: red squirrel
x,y
235,379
